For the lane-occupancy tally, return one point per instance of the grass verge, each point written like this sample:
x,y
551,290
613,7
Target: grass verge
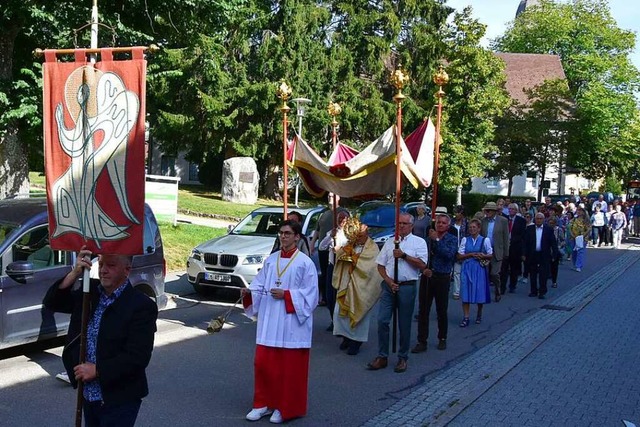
x,y
180,239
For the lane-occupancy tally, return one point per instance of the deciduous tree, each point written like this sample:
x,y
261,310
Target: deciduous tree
x,y
595,55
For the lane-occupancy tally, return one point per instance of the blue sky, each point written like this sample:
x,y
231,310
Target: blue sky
x,y
497,13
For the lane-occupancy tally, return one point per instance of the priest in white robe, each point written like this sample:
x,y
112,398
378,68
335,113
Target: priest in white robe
x,y
283,296
357,283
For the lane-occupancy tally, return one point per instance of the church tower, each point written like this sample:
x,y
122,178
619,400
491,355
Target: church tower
x,y
525,4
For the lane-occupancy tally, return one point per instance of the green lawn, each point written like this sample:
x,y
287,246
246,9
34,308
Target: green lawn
x,y
179,240
205,201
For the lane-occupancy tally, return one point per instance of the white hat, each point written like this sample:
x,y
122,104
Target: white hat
x,y
441,210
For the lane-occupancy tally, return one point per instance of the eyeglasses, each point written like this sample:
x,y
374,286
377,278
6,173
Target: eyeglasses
x,y
285,233
404,223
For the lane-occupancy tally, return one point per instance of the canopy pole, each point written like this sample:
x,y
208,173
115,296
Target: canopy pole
x,y
399,79
334,109
440,78
284,92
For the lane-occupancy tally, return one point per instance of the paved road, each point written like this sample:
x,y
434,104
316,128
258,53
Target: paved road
x,y
572,363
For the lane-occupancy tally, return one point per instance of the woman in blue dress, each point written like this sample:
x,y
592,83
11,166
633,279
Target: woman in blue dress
x,y
474,283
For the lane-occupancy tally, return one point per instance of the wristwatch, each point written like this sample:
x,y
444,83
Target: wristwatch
x,y
404,255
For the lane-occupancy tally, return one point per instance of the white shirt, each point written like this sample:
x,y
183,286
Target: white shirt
x,y
413,246
487,248
539,238
277,328
327,244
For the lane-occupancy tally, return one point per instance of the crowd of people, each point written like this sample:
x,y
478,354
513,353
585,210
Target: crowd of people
x,y
502,246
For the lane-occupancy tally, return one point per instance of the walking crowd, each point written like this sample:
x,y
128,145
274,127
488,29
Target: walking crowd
x,y
503,246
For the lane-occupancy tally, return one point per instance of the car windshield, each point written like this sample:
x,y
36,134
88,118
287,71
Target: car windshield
x,y
5,230
260,223
377,215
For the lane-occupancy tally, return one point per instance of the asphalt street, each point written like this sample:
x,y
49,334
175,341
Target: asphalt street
x,y
567,360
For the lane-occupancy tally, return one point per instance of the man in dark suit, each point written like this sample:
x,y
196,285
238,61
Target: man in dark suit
x,y
511,266
120,334
540,248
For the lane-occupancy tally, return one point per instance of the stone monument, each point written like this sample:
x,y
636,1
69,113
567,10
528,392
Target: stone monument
x,y
240,180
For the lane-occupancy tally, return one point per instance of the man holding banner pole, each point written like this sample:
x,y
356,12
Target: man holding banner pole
x,y
120,335
411,257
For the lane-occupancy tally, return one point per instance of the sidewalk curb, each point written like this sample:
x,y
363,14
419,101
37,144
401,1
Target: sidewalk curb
x,y
448,392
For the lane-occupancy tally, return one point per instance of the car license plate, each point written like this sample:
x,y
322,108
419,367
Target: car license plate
x,y
217,277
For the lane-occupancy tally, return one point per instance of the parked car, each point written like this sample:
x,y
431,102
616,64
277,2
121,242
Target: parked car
x,y
28,267
232,261
380,218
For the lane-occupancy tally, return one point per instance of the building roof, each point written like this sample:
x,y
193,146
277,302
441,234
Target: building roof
x,y
528,70
524,4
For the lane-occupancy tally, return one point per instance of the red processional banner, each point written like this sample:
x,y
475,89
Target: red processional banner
x,y
94,125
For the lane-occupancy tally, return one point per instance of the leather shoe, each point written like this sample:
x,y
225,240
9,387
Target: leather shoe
x,y
354,347
512,291
378,363
345,343
401,366
442,344
541,296
420,347
533,294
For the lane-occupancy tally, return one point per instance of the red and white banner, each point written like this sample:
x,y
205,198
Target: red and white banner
x,y
94,120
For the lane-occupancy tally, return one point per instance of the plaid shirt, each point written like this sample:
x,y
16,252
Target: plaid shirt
x,y
92,391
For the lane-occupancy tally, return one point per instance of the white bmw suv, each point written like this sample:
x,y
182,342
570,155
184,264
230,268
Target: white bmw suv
x,y
233,260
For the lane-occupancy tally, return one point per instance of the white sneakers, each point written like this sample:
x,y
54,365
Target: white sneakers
x,y
63,376
257,413
276,418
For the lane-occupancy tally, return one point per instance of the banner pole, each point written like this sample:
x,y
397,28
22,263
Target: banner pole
x,y
398,79
86,280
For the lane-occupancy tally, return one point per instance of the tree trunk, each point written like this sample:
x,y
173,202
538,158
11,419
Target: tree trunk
x,y
272,184
543,172
459,195
14,168
509,187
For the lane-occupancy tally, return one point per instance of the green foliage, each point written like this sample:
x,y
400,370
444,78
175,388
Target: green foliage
x,y
612,184
475,98
602,80
211,90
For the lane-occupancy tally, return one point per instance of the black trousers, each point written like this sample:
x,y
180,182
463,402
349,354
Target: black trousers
x,y
323,260
330,292
554,270
510,270
538,274
434,288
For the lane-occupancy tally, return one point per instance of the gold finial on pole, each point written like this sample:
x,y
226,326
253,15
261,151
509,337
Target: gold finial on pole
x,y
399,79
284,93
440,78
334,109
